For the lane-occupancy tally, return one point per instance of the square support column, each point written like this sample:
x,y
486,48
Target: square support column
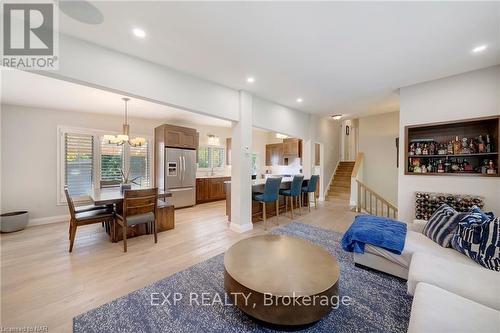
x,y
241,166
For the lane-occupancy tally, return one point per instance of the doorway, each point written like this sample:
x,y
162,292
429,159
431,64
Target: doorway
x,y
349,140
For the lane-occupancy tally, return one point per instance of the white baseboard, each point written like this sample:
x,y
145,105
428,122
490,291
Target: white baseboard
x,y
239,228
48,220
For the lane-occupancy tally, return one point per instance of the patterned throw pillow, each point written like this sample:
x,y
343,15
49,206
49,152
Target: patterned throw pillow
x,y
442,225
478,237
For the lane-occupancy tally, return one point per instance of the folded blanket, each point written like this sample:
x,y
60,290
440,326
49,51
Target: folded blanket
x,y
379,231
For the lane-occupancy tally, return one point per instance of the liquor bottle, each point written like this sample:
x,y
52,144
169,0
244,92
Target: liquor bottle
x,y
432,148
418,150
440,167
484,167
491,168
480,144
450,148
457,146
425,150
472,148
488,147
412,149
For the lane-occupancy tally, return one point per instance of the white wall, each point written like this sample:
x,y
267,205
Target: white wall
x,y
377,136
326,131
277,118
97,66
469,95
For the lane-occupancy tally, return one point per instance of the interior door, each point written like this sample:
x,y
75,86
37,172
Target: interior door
x,y
173,168
189,168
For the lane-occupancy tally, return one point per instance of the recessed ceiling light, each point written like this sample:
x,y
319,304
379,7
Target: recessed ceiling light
x,y
479,48
139,32
250,79
299,100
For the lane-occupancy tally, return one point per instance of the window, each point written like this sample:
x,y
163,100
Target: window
x,y
255,163
211,157
139,164
111,161
78,163
85,159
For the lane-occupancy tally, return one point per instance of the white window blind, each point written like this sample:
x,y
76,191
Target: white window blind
x,y
78,163
111,161
139,164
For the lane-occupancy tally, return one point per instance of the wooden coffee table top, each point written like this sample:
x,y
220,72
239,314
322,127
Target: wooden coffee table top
x,y
281,266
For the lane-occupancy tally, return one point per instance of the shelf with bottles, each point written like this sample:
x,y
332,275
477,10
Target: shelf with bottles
x,y
470,165
469,147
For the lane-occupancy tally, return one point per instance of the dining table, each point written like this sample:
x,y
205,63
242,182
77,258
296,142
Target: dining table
x,y
114,196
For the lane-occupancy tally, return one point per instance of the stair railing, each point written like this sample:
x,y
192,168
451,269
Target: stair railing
x,y
357,174
381,207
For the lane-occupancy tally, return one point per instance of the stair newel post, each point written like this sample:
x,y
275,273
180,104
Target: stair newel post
x,y
358,204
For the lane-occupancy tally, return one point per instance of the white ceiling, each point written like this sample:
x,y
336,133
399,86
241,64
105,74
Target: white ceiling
x,y
340,57
49,93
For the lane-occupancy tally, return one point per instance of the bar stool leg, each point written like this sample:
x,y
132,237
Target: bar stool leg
x,y
309,201
278,212
264,215
286,204
291,203
315,202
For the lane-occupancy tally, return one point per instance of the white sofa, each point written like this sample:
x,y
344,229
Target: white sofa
x,y
452,293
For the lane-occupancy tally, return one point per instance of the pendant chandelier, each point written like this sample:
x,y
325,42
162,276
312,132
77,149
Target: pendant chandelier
x,y
124,137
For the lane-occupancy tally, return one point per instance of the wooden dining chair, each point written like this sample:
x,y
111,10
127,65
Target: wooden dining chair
x,y
80,218
139,207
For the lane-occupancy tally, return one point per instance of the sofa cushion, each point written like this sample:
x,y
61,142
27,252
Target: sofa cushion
x,y
441,225
416,242
478,237
470,281
437,310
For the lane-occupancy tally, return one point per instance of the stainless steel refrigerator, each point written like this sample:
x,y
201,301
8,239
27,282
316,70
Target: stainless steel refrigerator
x,y
180,176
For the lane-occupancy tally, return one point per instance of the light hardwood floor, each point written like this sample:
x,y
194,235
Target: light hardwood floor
x,y
43,284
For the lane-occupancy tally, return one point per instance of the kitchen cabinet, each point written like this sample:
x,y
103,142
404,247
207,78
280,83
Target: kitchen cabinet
x,y
228,151
180,137
210,189
274,154
291,146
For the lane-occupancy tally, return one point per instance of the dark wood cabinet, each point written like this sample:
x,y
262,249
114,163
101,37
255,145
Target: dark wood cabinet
x,y
291,146
210,189
228,151
274,154
179,137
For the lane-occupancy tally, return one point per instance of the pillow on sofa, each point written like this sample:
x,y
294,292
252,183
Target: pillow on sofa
x,y
441,225
478,237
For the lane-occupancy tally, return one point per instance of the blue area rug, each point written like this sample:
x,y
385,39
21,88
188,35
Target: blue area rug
x,y
379,302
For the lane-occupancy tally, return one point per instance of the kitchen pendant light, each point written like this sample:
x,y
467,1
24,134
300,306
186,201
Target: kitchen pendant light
x,y
124,137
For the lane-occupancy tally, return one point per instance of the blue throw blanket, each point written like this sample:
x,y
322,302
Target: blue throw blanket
x,y
374,230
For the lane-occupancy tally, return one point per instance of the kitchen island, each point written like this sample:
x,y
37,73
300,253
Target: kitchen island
x,y
258,186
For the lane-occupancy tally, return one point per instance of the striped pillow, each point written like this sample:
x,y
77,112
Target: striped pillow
x,y
441,225
479,239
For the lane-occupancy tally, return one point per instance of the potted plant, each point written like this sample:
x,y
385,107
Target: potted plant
x,y
127,182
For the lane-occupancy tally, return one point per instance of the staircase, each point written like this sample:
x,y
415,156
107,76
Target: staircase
x,y
340,187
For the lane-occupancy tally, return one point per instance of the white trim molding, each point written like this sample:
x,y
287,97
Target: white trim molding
x,y
48,220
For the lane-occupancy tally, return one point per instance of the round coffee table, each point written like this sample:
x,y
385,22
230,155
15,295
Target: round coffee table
x,y
281,280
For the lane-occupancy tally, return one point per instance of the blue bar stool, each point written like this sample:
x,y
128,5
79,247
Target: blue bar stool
x,y
293,193
271,194
311,188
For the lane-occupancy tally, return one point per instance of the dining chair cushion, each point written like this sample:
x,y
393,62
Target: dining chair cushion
x,y
88,208
103,214
287,193
140,218
257,196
